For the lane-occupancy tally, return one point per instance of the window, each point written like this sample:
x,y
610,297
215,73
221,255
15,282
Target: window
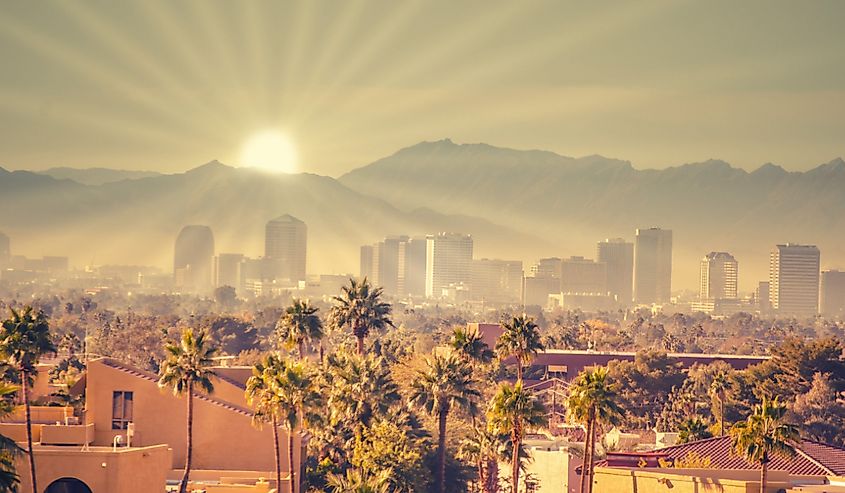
x,y
121,409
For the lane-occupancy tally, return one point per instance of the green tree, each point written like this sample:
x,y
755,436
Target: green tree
x,y
357,481
360,307
693,429
764,434
296,395
820,412
512,411
264,400
25,337
445,384
593,401
520,339
300,325
186,367
385,449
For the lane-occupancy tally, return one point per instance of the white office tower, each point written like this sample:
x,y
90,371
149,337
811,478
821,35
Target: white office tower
x,y
718,277
794,279
448,262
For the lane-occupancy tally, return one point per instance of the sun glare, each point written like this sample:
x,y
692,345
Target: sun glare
x,y
270,150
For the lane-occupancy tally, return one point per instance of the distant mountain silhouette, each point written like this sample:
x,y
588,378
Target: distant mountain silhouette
x,y
576,201
518,205
136,220
95,176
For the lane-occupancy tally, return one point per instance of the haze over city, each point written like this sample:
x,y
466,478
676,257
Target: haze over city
x,y
372,246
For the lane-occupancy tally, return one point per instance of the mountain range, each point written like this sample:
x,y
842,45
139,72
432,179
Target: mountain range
x,y
517,204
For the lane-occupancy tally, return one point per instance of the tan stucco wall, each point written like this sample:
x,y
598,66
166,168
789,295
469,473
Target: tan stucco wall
x,y
551,467
684,481
128,471
223,438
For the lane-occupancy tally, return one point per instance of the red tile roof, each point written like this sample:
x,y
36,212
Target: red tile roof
x,y
812,459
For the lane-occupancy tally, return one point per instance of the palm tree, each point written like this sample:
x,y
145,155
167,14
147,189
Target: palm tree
x,y
469,345
485,449
296,392
360,387
24,338
360,307
261,396
356,481
718,389
300,325
520,339
763,435
9,449
592,401
445,384
187,365
513,410
693,429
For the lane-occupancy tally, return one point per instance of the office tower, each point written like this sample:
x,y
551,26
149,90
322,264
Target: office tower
x,y
414,256
794,279
5,249
718,279
762,295
228,270
833,294
542,279
579,275
285,244
366,269
192,258
496,281
389,265
653,266
618,255
448,262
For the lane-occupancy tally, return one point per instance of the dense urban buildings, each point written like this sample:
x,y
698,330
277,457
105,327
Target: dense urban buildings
x,y
618,255
285,243
794,279
653,266
496,281
448,262
192,259
396,264
832,293
579,275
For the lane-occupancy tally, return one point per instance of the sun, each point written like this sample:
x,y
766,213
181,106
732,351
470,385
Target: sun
x,y
270,150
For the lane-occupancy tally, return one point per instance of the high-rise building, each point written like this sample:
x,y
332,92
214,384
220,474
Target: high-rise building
x,y
192,258
583,276
794,279
833,294
762,296
5,249
228,270
414,256
496,281
285,243
366,269
448,262
542,280
389,265
653,266
718,280
618,255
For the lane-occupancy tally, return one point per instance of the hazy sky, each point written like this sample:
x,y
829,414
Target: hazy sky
x,y
170,85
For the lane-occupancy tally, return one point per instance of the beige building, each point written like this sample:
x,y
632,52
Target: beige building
x,y
448,262
618,255
496,281
653,266
129,425
285,245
